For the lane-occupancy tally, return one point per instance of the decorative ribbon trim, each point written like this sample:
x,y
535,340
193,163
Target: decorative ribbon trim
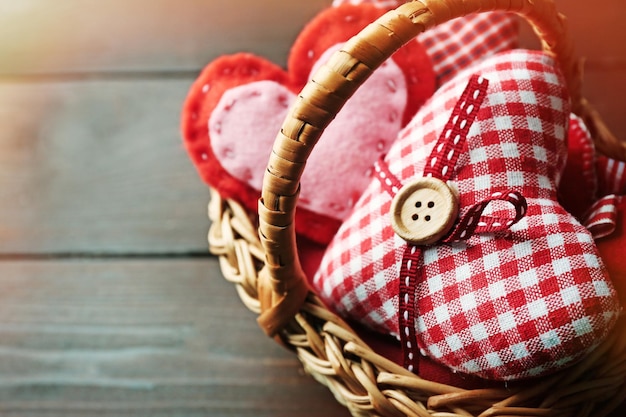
x,y
441,164
390,183
409,271
473,222
452,141
601,218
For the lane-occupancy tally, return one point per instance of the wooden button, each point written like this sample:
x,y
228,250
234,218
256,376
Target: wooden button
x,y
424,211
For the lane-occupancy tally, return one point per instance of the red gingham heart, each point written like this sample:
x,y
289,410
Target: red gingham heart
x,y
455,44
508,305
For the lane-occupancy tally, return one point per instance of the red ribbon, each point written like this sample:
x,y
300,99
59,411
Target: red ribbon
x,y
441,164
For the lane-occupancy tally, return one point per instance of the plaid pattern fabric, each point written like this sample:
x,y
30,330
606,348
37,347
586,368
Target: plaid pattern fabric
x,y
501,306
454,45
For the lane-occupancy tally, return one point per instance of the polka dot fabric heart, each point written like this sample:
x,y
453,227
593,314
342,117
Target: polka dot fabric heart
x,y
513,304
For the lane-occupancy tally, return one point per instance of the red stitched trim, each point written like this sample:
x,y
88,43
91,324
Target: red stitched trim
x,y
601,218
451,143
390,183
474,222
441,163
411,264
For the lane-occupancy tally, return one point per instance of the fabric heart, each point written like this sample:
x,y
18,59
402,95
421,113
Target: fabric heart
x,y
612,246
578,189
456,44
514,290
592,185
236,106
612,186
594,189
611,176
263,105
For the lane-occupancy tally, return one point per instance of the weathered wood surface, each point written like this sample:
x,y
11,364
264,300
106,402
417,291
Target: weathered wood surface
x,y
77,36
140,338
97,166
109,304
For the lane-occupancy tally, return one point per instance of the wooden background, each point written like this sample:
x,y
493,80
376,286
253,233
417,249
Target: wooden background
x,y
109,302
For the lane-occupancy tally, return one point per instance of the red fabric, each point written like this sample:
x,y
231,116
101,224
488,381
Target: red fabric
x,y
330,27
456,44
504,306
613,251
611,176
459,43
579,186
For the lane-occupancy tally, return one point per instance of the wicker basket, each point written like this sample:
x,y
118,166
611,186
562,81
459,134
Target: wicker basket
x,y
270,280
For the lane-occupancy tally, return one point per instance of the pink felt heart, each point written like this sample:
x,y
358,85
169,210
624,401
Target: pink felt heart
x,y
236,106
347,149
519,300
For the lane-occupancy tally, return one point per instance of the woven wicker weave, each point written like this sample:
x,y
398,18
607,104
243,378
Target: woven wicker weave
x,y
270,281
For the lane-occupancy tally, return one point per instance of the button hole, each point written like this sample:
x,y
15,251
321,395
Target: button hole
x,y
416,217
431,204
427,218
418,204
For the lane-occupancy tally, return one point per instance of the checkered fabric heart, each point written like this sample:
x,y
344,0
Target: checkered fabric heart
x,y
455,44
518,303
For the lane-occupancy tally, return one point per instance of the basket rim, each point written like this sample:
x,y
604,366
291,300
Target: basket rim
x,y
365,382
266,269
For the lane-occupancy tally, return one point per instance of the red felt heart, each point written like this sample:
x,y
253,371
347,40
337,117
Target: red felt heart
x,y
245,71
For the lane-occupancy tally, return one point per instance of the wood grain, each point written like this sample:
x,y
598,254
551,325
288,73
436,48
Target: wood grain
x,y
97,166
140,338
92,171
70,36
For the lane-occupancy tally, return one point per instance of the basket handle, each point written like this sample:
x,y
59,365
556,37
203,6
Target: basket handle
x,y
282,283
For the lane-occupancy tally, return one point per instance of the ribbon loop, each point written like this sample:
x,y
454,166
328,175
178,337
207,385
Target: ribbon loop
x,y
474,222
601,218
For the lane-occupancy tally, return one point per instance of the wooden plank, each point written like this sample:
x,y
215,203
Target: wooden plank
x,y
97,166
39,36
141,338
